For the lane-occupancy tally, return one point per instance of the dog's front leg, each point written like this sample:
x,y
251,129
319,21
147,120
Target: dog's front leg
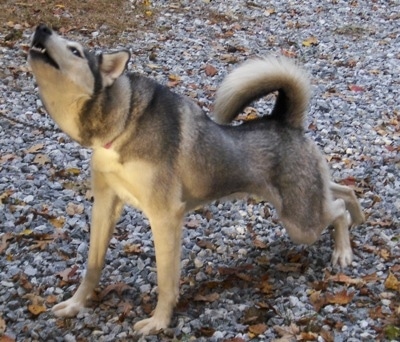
x,y
167,241
106,210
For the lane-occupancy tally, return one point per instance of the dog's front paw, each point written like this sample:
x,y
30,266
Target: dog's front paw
x,y
150,326
68,308
342,257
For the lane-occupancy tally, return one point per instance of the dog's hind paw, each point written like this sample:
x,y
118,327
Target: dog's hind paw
x,y
150,326
342,257
68,308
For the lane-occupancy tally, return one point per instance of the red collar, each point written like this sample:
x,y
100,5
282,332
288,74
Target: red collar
x,y
108,145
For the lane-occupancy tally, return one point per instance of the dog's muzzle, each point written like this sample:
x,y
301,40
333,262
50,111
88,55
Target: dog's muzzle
x,y
38,48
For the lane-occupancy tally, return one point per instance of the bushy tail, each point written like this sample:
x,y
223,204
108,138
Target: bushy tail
x,y
259,77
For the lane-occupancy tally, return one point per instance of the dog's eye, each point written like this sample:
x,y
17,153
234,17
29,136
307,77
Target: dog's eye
x,y
75,51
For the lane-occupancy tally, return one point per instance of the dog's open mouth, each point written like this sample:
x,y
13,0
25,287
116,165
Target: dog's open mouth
x,y
39,51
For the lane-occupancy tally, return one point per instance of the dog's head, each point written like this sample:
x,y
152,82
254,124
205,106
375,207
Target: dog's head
x,y
68,75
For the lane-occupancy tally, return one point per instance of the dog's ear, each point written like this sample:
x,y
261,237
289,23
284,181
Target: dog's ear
x,y
113,65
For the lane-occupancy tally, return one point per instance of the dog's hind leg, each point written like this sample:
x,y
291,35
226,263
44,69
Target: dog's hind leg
x,y
106,211
167,230
342,253
350,199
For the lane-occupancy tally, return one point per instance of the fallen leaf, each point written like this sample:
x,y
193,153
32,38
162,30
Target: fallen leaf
x,y
207,331
73,171
57,222
392,283
68,273
257,329
259,244
290,267
41,159
73,209
376,313
35,148
41,244
392,332
25,283
369,278
4,241
36,310
6,338
287,331
344,279
212,297
192,224
341,298
327,335
289,53
356,88
133,249
317,300
205,244
311,41
51,299
26,232
119,288
210,70
384,254
269,11
266,287
307,336
2,326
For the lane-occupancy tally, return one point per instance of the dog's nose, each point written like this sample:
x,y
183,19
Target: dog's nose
x,y
43,29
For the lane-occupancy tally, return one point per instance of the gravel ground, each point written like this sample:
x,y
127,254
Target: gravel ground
x,y
242,278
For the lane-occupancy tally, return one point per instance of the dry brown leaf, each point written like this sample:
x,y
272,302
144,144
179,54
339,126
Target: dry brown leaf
x,y
307,336
384,254
344,279
392,283
327,335
212,297
311,41
73,209
291,267
51,299
41,159
341,298
6,157
207,331
35,148
119,288
41,244
266,287
57,222
317,300
4,241
36,309
192,224
287,331
259,244
210,70
133,249
257,329
369,278
2,325
6,338
356,88
68,273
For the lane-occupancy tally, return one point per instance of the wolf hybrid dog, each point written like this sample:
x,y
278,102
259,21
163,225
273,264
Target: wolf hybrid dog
x,y
159,152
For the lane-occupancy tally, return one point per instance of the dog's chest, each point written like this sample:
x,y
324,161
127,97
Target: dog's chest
x,y
131,181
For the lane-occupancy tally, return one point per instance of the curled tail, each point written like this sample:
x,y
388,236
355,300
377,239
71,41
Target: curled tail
x,y
259,77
